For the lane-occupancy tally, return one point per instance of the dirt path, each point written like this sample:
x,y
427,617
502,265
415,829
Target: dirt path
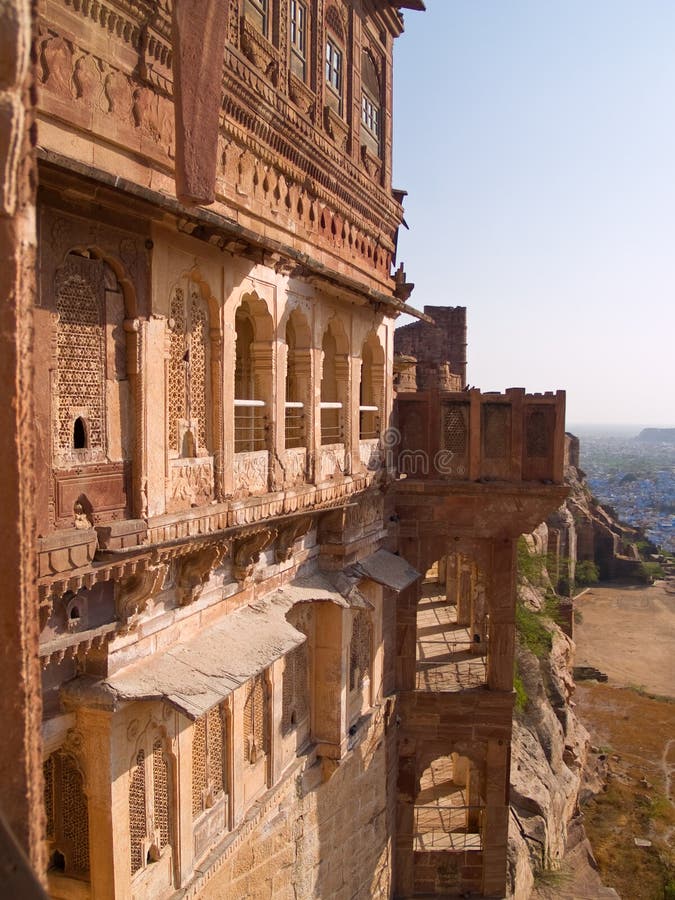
x,y
629,633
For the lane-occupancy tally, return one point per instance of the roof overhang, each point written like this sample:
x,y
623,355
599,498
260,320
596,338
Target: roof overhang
x,y
194,675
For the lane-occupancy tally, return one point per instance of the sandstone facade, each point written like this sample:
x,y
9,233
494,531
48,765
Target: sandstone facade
x,y
229,567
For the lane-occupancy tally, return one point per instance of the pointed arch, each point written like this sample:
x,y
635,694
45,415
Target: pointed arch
x,y
371,394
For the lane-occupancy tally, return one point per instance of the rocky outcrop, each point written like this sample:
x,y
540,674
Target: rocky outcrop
x,y
583,530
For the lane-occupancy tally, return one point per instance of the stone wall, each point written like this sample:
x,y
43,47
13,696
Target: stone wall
x,y
312,838
443,343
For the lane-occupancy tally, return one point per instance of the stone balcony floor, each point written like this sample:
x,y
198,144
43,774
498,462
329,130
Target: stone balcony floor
x,y
444,658
442,813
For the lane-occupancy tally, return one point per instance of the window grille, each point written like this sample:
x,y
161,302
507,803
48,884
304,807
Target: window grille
x,y
216,749
359,649
75,824
48,774
188,367
137,820
67,814
295,692
208,759
160,784
255,719
199,775
80,345
455,430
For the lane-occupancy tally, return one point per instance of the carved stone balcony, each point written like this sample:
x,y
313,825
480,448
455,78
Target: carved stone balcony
x,y
470,436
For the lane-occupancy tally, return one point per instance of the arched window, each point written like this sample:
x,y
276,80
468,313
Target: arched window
x,y
209,760
250,418
81,370
149,805
371,395
298,372
67,816
332,413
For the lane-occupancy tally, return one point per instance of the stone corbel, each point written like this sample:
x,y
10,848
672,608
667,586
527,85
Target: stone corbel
x,y
195,571
132,594
288,535
332,526
247,551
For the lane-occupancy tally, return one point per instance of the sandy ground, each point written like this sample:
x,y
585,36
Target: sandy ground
x,y
628,631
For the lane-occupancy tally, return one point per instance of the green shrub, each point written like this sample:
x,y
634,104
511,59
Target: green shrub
x,y
532,630
586,572
650,570
519,687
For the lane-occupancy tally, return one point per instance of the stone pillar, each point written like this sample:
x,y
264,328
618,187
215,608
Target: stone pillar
x,y
405,822
501,605
95,727
464,585
20,762
353,415
331,673
406,637
155,366
496,829
478,617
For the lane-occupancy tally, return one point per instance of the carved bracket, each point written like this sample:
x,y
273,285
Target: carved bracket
x,y
247,551
195,571
288,535
132,594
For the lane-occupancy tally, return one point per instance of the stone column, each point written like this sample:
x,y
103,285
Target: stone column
x,y
95,727
496,829
353,415
501,605
20,762
157,475
331,672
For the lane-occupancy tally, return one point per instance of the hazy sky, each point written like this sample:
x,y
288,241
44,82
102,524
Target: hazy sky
x,y
536,140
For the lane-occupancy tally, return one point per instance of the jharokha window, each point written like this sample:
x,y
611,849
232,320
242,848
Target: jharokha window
x,y
149,806
298,38
209,755
67,817
257,12
189,381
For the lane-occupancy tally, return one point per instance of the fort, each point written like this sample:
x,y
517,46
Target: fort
x,y
259,609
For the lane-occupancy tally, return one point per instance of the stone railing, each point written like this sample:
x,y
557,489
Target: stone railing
x,y
470,436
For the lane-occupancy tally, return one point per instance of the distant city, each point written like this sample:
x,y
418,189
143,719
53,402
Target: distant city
x,y
633,470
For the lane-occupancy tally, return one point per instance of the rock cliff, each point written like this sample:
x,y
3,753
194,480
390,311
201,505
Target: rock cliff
x,y
550,856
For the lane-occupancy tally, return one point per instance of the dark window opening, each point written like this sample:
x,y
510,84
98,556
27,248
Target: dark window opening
x,y
57,862
79,435
75,613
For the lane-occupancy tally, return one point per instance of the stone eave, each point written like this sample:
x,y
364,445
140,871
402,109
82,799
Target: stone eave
x,y
217,229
